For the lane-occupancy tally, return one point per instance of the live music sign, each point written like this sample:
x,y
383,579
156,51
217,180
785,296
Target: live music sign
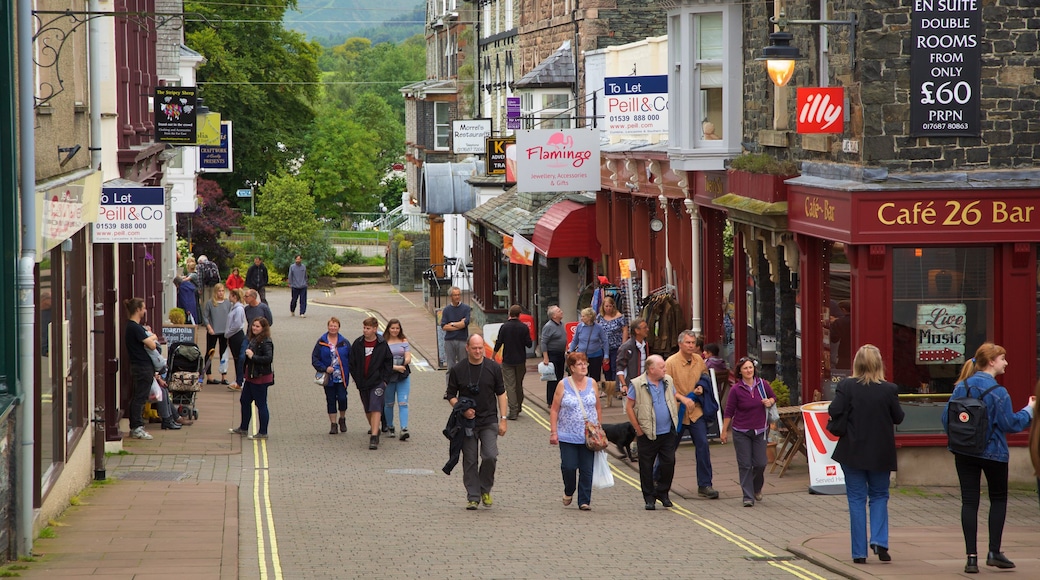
x,y
821,110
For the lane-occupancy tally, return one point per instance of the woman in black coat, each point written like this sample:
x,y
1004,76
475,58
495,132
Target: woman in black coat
x,y
864,413
259,376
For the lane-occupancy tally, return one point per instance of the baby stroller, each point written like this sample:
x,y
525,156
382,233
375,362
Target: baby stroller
x,y
184,378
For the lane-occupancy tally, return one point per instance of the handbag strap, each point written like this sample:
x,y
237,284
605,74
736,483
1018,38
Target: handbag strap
x,y
578,394
335,351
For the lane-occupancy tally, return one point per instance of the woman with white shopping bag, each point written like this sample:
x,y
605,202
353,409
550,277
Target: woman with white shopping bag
x,y
575,402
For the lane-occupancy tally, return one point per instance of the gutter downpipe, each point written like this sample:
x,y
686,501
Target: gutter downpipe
x,y
94,87
26,280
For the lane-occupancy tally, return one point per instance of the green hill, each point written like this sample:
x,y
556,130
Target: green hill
x,y
330,22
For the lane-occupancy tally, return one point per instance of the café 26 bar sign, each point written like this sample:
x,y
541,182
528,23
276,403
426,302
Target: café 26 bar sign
x,y
945,67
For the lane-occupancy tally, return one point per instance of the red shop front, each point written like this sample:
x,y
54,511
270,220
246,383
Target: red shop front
x,y
930,274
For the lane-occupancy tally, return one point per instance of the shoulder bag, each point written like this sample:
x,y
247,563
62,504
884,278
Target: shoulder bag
x,y
772,413
595,438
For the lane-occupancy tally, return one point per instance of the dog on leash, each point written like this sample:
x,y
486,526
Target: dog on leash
x,y
622,435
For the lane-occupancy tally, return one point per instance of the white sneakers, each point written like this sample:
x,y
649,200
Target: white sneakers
x,y
140,433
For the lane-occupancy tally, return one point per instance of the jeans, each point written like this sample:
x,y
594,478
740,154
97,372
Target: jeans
x,y
397,391
255,393
242,361
576,463
335,397
969,472
859,485
213,340
482,448
559,361
699,434
513,377
237,344
141,377
751,462
454,352
301,295
660,451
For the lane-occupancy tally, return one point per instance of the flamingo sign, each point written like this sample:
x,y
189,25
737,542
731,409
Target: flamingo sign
x,y
557,160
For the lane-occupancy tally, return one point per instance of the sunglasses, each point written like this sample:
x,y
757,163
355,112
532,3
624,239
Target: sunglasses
x,y
745,359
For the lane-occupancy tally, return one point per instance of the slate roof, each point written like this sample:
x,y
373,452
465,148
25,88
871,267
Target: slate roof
x,y
507,215
555,71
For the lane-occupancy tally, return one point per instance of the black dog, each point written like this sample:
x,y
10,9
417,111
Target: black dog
x,y
622,435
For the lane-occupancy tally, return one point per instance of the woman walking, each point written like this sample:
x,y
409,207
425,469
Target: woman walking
x,y
978,380
398,387
591,339
259,376
615,325
236,335
330,357
215,317
745,411
575,401
864,413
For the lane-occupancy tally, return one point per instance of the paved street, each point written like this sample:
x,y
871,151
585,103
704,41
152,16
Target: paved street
x,y
313,505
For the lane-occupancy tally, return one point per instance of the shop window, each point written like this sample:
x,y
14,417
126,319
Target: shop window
x,y
551,110
942,311
442,124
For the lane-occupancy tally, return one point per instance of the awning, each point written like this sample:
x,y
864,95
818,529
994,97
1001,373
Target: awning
x,y
567,230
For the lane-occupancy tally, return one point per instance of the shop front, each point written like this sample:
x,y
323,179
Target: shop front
x,y
932,273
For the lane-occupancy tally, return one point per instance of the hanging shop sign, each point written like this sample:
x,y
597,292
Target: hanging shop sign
x,y
218,158
941,328
469,136
557,160
821,110
131,214
512,113
945,67
496,154
175,116
636,105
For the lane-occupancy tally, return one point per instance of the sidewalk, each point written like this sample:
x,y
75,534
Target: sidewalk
x,y
173,508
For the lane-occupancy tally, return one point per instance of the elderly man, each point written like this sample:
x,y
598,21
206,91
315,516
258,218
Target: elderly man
x,y
687,368
632,354
480,379
455,320
652,410
514,338
554,344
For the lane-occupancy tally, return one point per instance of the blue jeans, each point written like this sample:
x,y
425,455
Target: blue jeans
x,y
859,485
397,390
335,397
699,433
301,295
576,463
254,393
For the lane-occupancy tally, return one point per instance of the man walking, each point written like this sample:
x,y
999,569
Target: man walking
x,y
554,345
687,368
256,278
455,322
652,410
371,366
479,379
632,354
514,338
298,285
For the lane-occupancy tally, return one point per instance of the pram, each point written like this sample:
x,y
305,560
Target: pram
x,y
184,378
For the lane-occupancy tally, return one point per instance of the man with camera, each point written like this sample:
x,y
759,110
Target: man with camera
x,y
480,379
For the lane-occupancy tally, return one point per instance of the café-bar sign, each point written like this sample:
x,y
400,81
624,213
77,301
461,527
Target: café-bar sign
x,y
945,68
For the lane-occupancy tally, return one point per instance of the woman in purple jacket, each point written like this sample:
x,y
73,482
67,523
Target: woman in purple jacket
x,y
745,411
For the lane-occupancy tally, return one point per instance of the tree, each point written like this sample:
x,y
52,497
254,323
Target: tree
x,y
373,113
285,212
258,75
342,164
212,218
357,67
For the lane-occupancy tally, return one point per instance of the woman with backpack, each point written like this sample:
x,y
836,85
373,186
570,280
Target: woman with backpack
x,y
978,380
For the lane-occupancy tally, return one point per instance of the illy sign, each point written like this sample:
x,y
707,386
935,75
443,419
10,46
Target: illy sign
x,y
821,110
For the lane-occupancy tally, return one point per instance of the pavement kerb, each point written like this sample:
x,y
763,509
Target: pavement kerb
x,y
824,560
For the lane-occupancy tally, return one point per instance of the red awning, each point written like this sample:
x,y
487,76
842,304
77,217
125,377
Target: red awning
x,y
567,230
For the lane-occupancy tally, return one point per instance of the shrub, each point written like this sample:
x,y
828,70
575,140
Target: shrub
x,y
177,316
782,392
763,163
350,256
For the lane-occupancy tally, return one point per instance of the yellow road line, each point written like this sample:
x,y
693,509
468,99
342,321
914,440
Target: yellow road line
x,y
713,527
262,510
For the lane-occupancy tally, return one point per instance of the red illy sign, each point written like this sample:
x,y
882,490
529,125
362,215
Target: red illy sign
x,y
821,110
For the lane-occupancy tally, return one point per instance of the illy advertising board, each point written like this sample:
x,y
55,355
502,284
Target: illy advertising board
x,y
636,105
821,110
945,68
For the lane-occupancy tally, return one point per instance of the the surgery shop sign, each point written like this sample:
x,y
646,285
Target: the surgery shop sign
x,y
130,214
945,68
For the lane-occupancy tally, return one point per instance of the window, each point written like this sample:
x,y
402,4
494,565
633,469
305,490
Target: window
x,y
957,284
709,75
442,124
549,110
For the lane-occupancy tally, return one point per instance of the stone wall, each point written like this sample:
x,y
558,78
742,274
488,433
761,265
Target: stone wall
x,y
878,89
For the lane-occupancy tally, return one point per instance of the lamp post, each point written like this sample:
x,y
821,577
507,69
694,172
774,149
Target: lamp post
x,y
780,56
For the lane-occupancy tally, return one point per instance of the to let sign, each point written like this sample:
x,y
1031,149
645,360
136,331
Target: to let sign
x,y
941,328
636,105
131,214
945,67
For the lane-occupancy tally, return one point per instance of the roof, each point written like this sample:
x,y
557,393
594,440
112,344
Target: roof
x,y
509,213
555,71
430,86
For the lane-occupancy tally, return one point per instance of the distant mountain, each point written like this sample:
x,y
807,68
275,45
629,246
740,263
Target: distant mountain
x,y
330,22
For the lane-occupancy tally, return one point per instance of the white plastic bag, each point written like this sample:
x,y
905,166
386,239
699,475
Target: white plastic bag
x,y
224,361
155,393
546,371
602,478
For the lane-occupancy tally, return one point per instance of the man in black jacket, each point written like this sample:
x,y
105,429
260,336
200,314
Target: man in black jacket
x,y
371,366
256,278
514,338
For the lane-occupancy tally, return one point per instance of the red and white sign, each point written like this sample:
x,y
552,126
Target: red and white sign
x,y
825,474
821,110
557,160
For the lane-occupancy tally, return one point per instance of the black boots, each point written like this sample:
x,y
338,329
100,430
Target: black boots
x,y
972,566
999,560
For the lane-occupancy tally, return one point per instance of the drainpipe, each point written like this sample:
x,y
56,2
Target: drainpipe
x,y
26,280
94,73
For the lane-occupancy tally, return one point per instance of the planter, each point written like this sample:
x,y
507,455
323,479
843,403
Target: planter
x,y
770,452
406,269
761,186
